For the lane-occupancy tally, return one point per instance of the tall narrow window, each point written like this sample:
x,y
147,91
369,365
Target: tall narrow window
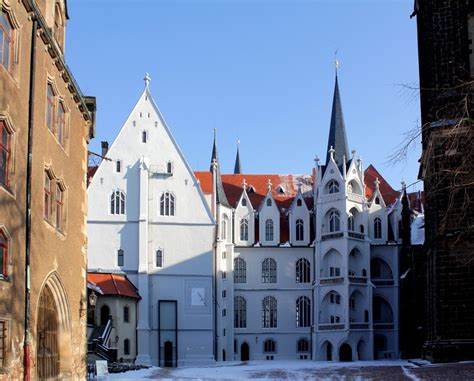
x,y
6,40
299,230
5,154
334,221
61,123
118,166
167,204
117,202
58,25
48,202
144,136
377,228
244,229
3,254
120,257
243,202
350,223
169,167
59,200
269,230
126,347
303,312
50,102
126,314
3,343
269,312
303,274
240,270
240,312
269,271
159,258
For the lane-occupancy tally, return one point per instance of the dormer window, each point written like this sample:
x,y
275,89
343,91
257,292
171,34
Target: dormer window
x,y
244,202
251,189
281,190
299,202
377,201
332,187
269,202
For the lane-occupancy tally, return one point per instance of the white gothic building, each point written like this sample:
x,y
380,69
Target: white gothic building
x,y
245,266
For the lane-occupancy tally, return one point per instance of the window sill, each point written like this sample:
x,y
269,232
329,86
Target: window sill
x,y
4,278
7,190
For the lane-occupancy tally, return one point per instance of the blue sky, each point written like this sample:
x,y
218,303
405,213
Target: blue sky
x,y
261,71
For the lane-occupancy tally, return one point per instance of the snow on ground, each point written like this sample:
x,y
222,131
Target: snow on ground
x,y
267,370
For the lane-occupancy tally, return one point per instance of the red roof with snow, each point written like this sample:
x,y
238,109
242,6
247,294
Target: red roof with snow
x,y
113,284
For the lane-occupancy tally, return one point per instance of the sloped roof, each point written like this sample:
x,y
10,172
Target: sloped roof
x,y
113,284
388,193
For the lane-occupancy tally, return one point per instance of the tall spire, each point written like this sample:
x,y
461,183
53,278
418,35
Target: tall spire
x,y
220,193
337,131
237,167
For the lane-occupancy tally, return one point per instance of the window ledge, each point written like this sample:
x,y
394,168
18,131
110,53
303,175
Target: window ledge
x,y
7,190
4,278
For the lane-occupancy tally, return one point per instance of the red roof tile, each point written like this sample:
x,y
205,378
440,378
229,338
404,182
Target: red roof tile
x,y
114,284
388,193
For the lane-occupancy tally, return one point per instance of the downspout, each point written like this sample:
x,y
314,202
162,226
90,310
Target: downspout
x,y
31,109
216,227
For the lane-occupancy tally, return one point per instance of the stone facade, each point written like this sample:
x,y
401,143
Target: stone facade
x,y
445,31
57,265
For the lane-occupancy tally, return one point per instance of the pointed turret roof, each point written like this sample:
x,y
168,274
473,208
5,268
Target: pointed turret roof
x,y
337,131
220,193
237,167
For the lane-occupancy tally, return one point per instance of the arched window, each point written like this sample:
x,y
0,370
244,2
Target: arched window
x,y
167,204
6,40
120,257
3,253
269,346
126,314
126,347
159,258
244,229
350,223
299,229
269,202
225,222
377,228
303,312
117,202
303,271
269,312
269,230
334,221
332,187
240,312
240,270
244,201
377,201
303,345
299,202
5,153
269,271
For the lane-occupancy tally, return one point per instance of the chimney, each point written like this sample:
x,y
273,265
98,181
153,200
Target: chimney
x,y
105,148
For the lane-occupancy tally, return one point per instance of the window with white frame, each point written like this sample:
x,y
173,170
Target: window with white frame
x,y
303,272
240,312
332,187
269,230
269,312
244,229
167,204
269,270
303,312
334,221
240,270
117,202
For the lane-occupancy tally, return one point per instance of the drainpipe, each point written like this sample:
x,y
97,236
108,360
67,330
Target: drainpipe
x,y
31,109
216,235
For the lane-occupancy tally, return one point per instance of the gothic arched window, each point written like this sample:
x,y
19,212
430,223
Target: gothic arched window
x,y
244,229
299,229
117,202
269,230
334,221
332,187
167,204
269,202
350,223
377,228
240,312
159,258
269,271
244,202
303,312
303,272
240,270
269,312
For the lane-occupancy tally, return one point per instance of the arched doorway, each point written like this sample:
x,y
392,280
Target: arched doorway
x,y
104,314
361,350
345,352
47,331
244,352
168,353
380,346
326,351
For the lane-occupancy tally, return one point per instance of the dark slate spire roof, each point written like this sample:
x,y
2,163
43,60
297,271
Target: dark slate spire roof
x,y
221,197
337,132
237,167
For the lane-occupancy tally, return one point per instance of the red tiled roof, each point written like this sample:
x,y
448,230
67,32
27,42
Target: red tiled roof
x,y
91,170
114,284
388,193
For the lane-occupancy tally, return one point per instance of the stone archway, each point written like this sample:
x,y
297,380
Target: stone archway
x,y
345,352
